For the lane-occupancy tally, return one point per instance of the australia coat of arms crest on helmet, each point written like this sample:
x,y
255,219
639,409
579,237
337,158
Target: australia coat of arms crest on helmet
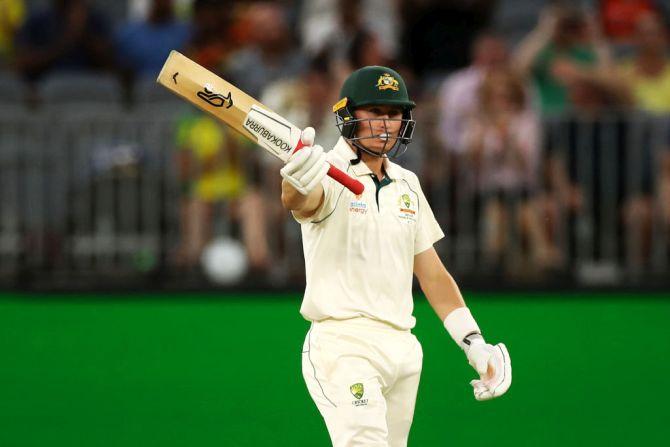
x,y
386,82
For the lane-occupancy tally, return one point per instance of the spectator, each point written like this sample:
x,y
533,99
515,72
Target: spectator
x,y
664,192
270,56
501,143
211,172
600,179
143,46
366,49
456,102
12,14
564,49
210,43
304,100
67,36
647,74
332,24
139,10
619,18
347,33
363,48
458,95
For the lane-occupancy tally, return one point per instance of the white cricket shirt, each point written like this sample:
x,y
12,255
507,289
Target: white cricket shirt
x,y
359,250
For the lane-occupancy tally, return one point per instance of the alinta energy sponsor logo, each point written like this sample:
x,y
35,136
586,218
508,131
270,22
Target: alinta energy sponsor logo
x,y
215,99
358,207
358,390
262,132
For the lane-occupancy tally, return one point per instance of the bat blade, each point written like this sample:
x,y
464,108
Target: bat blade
x,y
207,91
238,110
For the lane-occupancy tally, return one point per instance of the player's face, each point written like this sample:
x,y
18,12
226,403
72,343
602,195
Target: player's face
x,y
380,133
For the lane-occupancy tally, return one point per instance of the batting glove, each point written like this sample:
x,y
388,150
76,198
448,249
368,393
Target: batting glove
x,y
492,363
306,167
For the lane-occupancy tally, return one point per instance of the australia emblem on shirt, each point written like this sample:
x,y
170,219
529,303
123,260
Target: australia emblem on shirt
x,y
358,207
358,390
407,207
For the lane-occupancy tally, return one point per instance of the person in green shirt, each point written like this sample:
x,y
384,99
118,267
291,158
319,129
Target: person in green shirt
x,y
564,50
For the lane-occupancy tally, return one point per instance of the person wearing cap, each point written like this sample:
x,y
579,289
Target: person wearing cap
x,y
360,361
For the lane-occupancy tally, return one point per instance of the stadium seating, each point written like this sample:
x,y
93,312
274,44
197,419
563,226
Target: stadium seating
x,y
87,88
12,89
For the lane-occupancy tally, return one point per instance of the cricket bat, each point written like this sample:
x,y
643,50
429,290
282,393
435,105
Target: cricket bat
x,y
240,111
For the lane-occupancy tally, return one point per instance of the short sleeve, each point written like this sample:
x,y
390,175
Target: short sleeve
x,y
428,231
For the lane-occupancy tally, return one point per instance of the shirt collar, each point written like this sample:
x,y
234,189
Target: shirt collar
x,y
345,151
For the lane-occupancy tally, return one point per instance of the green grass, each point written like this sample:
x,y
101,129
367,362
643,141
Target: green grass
x,y
193,370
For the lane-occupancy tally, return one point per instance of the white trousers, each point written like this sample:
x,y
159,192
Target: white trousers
x,y
363,376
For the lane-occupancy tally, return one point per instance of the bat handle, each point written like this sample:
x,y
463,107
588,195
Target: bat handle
x,y
339,176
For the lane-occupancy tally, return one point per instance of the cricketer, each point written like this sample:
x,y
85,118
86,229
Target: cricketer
x,y
360,361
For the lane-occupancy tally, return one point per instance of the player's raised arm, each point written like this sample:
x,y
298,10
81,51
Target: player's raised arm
x,y
301,190
492,363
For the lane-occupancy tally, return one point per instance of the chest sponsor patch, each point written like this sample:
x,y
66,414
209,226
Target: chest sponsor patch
x,y
407,208
358,207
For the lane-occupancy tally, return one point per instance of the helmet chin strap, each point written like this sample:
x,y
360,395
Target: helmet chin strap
x,y
360,147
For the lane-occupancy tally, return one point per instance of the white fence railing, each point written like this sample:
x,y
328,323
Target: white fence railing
x,y
85,192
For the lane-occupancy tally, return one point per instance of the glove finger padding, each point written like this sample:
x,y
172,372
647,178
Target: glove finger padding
x,y
305,168
307,136
295,162
498,380
479,355
481,364
481,391
321,173
312,166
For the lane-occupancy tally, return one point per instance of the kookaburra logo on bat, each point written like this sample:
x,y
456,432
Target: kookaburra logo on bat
x,y
215,99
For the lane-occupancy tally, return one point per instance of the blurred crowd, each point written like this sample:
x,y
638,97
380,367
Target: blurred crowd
x,y
498,119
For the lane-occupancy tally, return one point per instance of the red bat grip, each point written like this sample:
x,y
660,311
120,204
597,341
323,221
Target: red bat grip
x,y
340,177
345,179
298,147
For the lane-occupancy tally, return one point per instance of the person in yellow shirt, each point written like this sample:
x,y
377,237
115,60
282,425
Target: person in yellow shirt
x,y
646,77
647,73
211,171
12,14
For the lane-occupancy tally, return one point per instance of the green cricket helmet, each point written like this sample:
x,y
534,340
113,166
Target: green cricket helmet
x,y
374,85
